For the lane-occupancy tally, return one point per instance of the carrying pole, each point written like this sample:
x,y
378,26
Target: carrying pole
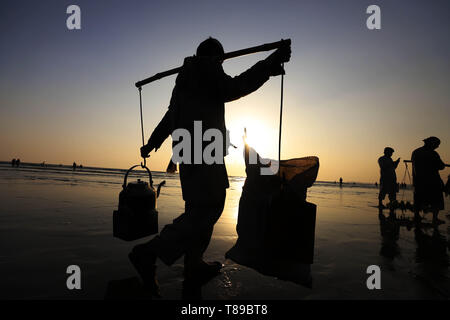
x,y
281,117
229,55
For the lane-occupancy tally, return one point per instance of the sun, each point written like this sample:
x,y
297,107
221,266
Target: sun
x,y
259,135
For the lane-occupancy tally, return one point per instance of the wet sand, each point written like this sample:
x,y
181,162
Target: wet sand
x,y
51,220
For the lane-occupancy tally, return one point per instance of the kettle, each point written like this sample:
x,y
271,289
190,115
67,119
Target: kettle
x,y
136,216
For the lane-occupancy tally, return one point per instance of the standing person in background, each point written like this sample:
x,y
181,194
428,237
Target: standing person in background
x,y
340,181
428,185
388,178
13,162
17,163
74,166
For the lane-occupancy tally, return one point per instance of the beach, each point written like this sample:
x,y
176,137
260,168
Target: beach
x,y
53,217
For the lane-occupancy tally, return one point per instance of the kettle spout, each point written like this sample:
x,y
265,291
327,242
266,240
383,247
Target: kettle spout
x,y
159,187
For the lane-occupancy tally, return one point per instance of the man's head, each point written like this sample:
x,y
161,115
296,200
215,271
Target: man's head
x,y
210,48
388,151
432,142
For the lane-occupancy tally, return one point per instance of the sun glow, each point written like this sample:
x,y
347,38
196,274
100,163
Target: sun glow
x,y
259,136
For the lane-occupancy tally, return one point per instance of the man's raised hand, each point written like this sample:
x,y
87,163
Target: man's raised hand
x,y
145,151
277,58
281,55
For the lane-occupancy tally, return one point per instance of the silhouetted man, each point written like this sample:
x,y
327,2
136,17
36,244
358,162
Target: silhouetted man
x,y
428,185
201,89
388,178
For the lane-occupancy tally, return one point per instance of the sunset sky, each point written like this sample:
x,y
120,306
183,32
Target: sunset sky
x,y
69,95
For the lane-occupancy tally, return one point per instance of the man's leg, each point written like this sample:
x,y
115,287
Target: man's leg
x,y
143,260
435,210
381,196
417,206
393,199
169,246
204,216
189,233
435,215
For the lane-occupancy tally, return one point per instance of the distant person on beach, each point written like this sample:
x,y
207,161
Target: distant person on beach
x,y
388,178
428,185
13,162
201,89
17,163
74,166
340,181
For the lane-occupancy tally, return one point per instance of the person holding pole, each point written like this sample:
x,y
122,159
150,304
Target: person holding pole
x,y
200,92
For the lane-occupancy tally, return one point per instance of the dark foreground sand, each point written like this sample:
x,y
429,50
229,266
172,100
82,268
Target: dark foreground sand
x,y
49,221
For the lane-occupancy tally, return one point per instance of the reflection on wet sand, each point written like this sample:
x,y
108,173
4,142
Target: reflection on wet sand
x,y
431,259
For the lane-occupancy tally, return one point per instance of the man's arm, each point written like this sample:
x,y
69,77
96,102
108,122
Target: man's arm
x,y
439,163
252,79
396,162
159,135
245,83
383,164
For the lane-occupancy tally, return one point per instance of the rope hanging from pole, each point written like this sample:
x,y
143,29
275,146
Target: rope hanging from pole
x,y
281,117
142,123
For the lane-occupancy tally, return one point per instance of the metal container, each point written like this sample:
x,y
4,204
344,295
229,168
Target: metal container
x,y
137,216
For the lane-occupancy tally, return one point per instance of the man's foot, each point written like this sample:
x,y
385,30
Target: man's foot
x,y
202,272
144,262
